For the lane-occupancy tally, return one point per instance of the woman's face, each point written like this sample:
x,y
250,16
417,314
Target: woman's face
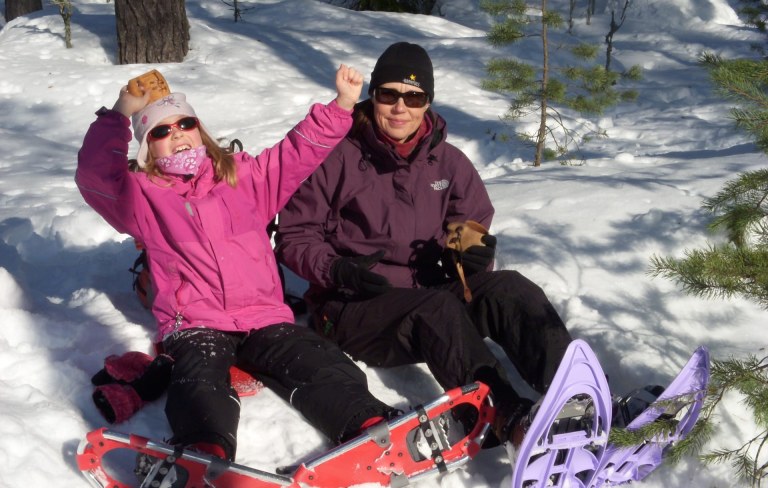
x,y
398,121
180,138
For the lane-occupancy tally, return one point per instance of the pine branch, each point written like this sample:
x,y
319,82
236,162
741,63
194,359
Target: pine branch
x,y
694,442
718,271
749,377
738,268
664,426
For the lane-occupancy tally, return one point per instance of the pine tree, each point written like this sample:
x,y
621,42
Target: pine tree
x,y
543,90
738,267
756,13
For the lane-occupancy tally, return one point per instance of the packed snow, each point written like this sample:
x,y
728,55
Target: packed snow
x,y
585,232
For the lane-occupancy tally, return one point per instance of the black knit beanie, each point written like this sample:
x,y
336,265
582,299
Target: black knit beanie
x,y
404,63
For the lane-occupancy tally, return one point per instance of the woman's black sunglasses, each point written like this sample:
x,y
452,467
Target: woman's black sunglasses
x,y
163,131
412,99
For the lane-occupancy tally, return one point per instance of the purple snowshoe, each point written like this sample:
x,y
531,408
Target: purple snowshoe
x,y
568,435
682,399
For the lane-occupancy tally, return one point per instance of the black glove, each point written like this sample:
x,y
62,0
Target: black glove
x,y
478,258
352,273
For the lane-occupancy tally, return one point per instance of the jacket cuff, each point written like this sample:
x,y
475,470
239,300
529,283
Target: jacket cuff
x,y
111,114
337,109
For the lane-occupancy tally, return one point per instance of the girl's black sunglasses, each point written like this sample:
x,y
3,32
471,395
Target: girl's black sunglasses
x,y
163,131
412,99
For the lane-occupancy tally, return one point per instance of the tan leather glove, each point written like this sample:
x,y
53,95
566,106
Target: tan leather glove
x,y
474,249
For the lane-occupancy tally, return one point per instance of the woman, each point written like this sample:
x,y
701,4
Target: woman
x,y
368,230
202,215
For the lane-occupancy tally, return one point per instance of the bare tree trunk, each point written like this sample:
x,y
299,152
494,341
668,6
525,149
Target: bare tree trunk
x,y
65,9
236,8
541,137
151,31
590,11
615,26
17,8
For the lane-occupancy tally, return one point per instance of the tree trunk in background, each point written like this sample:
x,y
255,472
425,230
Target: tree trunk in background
x,y
410,6
151,31
16,8
541,136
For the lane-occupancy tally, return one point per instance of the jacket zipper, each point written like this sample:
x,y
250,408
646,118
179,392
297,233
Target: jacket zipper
x,y
178,322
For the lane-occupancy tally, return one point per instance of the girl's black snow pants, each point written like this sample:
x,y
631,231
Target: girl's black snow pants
x,y
306,370
434,325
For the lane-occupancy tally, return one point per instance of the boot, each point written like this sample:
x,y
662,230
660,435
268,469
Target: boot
x,y
512,421
628,407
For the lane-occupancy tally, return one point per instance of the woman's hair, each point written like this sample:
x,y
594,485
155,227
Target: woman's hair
x,y
223,163
362,117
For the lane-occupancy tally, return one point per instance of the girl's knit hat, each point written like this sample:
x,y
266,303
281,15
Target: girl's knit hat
x,y
146,119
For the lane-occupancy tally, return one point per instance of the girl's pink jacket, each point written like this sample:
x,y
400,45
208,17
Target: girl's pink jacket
x,y
209,253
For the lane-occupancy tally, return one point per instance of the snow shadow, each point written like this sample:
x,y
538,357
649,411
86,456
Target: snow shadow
x,y
79,300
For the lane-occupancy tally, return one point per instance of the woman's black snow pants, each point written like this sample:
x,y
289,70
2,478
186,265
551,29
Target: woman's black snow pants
x,y
306,370
434,325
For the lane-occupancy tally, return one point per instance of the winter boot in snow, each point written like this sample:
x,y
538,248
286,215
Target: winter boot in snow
x,y
512,421
628,407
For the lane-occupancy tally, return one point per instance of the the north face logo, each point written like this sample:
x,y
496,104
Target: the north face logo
x,y
439,185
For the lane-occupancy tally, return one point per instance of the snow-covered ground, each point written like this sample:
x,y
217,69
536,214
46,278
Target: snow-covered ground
x,y
584,233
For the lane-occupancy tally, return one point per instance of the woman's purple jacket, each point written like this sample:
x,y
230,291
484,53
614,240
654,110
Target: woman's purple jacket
x,y
366,198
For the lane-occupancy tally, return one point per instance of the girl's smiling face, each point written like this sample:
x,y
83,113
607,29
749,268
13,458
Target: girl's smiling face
x,y
178,140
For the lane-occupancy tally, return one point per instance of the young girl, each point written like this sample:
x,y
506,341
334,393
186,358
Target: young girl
x,y
202,215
